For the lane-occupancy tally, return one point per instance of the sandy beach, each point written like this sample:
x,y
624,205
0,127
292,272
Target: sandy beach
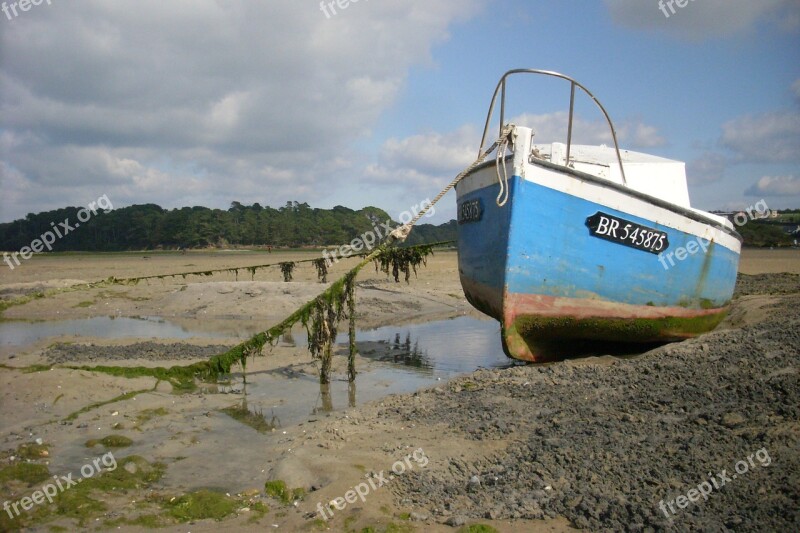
x,y
592,443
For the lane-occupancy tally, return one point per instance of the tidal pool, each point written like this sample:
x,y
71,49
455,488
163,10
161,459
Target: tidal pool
x,y
405,358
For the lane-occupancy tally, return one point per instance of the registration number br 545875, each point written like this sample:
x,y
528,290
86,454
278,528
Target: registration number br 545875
x,y
627,233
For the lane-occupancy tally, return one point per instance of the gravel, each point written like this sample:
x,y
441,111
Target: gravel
x,y
62,353
603,442
775,284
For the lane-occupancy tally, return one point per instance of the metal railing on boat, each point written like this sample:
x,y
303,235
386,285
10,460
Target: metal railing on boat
x,y
501,88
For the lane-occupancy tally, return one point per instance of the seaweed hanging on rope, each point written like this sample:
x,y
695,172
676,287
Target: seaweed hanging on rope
x,y
403,260
322,269
321,264
320,316
351,315
323,319
287,269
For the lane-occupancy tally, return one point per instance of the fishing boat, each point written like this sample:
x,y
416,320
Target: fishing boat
x,y
571,245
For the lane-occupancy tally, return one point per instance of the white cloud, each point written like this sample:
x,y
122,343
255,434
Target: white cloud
x,y
215,101
15,188
432,152
640,135
769,137
708,168
775,186
552,127
424,162
702,19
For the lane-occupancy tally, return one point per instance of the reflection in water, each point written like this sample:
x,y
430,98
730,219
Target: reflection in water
x,y
404,359
252,417
326,400
404,353
444,347
351,393
288,338
325,403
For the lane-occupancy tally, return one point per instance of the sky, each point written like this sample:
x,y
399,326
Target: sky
x,y
380,102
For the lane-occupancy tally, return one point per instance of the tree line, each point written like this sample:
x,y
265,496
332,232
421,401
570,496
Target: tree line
x,y
150,227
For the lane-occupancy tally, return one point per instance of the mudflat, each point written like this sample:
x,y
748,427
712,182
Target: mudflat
x,y
599,442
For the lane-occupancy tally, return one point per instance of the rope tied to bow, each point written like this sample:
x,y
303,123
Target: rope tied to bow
x,y
505,140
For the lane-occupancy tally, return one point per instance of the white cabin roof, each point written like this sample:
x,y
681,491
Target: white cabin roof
x,y
650,174
656,176
605,155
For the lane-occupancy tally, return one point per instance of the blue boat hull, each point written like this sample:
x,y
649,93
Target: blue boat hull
x,y
536,267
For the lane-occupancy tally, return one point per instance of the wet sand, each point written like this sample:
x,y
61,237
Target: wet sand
x,y
498,446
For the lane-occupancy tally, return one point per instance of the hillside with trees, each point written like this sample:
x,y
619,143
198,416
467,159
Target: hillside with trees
x,y
148,227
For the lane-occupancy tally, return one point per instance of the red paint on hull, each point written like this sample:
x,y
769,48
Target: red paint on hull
x,y
537,327
515,305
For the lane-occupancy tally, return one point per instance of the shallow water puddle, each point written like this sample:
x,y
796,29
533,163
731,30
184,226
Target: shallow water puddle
x,y
438,349
403,358
21,333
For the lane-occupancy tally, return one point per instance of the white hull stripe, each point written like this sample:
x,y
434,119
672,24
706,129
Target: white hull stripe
x,y
605,196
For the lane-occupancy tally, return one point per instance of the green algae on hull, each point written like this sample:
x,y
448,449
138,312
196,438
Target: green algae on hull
x,y
537,338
